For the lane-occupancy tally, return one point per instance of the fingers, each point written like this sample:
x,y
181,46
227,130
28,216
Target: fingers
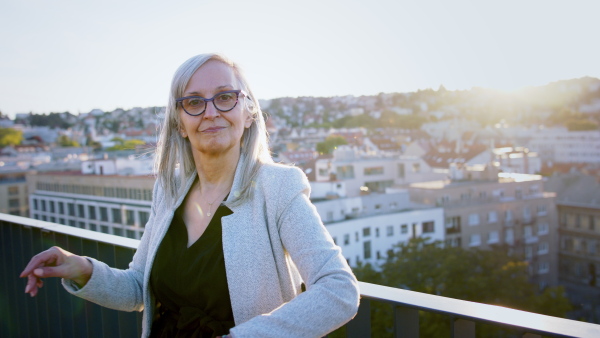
x,y
47,257
52,271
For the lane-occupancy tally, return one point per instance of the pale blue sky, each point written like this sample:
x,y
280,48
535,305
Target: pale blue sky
x,y
78,55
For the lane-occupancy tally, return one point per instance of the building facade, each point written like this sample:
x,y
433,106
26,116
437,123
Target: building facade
x,y
499,210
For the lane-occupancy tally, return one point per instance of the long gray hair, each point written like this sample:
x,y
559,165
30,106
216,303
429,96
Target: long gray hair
x,y
174,152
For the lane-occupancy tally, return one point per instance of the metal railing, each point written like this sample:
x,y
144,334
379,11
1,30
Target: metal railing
x,y
53,313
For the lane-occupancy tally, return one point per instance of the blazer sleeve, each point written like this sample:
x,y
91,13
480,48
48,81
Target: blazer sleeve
x,y
115,288
331,298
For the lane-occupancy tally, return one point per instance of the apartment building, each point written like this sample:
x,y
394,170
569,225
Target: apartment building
x,y
485,209
367,227
112,204
578,205
13,192
563,146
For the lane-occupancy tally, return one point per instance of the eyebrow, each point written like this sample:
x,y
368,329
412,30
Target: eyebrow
x,y
223,87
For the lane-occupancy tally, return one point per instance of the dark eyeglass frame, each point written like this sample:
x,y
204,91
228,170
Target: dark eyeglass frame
x,y
237,93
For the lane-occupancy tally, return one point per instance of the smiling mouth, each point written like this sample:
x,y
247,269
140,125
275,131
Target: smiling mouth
x,y
212,129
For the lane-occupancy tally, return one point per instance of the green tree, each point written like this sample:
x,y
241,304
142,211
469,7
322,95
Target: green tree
x,y
65,141
125,144
484,276
10,136
330,143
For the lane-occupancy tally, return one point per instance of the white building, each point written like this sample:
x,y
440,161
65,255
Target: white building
x,y
563,146
367,227
362,173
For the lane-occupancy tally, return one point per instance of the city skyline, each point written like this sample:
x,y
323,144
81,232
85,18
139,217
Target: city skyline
x,y
76,57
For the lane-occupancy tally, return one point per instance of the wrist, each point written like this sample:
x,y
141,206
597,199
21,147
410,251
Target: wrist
x,y
85,273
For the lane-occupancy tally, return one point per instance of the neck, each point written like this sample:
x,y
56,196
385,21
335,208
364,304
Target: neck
x,y
215,173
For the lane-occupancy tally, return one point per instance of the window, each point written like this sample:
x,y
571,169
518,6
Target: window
x,y
116,216
143,218
356,236
475,240
400,170
346,239
428,227
498,193
543,248
376,232
527,213
53,219
130,217
61,208
81,210
367,249
373,171
527,231
52,206
104,214
493,237
130,234
474,219
390,230
43,205
345,172
492,216
541,210
44,218
93,227
508,216
543,268
13,190
71,207
104,229
92,211
528,252
509,236
81,224
453,225
147,194
118,231
13,203
62,221
592,223
518,193
542,228
404,229
366,232
72,223
35,204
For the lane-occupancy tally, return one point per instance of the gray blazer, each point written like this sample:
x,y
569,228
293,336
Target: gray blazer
x,y
271,244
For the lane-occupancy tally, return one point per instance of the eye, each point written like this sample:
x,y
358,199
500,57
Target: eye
x,y
226,97
194,102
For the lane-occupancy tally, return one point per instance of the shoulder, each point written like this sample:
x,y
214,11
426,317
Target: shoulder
x,y
281,174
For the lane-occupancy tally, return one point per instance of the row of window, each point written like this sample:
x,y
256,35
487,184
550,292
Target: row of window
x,y
492,216
468,195
107,229
427,227
580,245
101,213
125,193
579,221
493,237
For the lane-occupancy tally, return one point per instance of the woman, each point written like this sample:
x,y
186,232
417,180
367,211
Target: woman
x,y
206,269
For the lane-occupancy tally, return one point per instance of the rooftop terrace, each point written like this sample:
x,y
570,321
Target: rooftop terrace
x,y
54,313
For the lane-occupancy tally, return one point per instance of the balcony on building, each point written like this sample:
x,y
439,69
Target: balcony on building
x,y
55,313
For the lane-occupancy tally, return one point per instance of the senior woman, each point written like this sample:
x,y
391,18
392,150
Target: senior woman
x,y
233,246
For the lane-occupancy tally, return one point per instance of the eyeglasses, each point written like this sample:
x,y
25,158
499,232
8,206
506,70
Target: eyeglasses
x,y
223,102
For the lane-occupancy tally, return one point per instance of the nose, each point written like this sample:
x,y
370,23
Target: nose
x,y
211,111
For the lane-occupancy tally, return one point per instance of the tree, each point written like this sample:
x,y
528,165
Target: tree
x,y
65,141
330,143
484,276
125,144
581,125
10,136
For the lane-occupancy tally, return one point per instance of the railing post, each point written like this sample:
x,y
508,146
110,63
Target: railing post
x,y
360,325
406,322
462,328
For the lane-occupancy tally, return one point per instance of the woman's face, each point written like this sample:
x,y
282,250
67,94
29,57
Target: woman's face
x,y
214,132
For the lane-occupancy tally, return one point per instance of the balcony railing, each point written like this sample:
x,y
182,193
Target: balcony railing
x,y
53,313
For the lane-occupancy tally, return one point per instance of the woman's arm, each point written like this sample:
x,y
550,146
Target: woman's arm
x,y
331,297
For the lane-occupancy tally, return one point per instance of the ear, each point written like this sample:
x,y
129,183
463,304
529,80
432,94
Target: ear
x,y
249,120
182,132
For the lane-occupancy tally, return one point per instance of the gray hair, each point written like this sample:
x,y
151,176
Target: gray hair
x,y
173,152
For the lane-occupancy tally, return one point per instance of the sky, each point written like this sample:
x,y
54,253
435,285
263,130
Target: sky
x,y
72,55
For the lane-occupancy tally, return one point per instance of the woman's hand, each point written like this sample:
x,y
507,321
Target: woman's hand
x,y
56,262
